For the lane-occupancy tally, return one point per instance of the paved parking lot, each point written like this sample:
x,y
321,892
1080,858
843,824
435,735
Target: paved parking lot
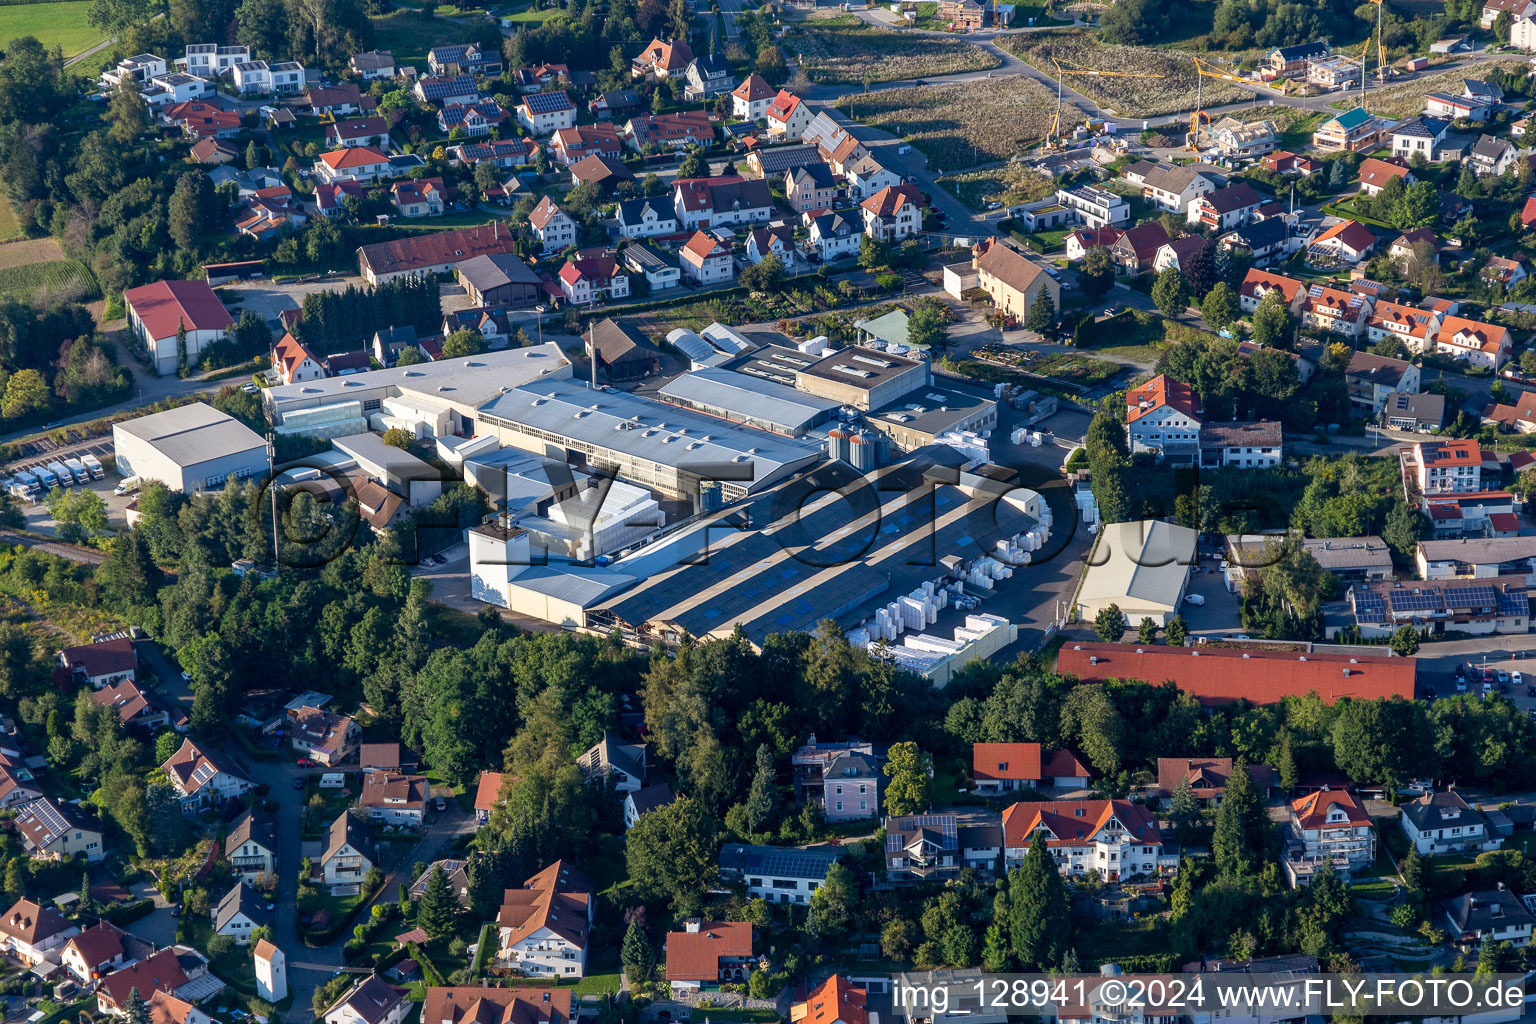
x,y
39,520
1219,615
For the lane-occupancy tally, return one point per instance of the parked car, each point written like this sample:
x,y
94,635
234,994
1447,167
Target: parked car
x,y
1516,679
1503,676
442,805
298,783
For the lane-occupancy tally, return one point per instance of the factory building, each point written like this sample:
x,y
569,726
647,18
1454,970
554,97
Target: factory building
x,y
862,378
190,448
749,400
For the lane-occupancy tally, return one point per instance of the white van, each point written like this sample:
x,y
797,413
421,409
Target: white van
x,y
128,486
333,780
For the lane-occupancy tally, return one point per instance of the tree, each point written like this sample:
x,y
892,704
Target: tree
x,y
1039,922
1170,292
463,342
1175,632
1219,308
1184,813
1042,312
1273,324
927,326
1403,529
873,253
135,1011
435,911
26,394
1242,832
188,209
129,578
671,854
1415,873
1391,347
767,275
410,356
910,771
762,803
637,954
1146,633
1109,624
1405,641
694,165
183,367
399,437
832,904
127,113
1097,273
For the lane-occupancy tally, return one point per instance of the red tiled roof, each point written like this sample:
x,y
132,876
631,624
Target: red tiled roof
x,y
488,791
888,200
162,306
783,105
695,955
1261,280
1221,675
356,156
1158,392
107,657
1072,822
1351,234
1312,810
1063,764
1017,761
836,1000
1378,172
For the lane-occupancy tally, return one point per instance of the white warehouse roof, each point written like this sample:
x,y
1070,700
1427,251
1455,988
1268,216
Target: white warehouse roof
x,y
193,434
739,397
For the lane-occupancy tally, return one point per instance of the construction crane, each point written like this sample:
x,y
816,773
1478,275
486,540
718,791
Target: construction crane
x,y
1381,55
1074,68
1204,70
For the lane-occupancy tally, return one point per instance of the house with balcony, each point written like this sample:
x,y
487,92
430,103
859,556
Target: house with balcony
x,y
1259,283
371,1000
1163,416
1226,208
810,187
31,932
542,113
726,201
593,278
544,924
1095,207
1117,838
646,217
777,240
393,799
1445,823
552,225
751,99
922,846
778,874
1373,379
204,779
893,213
660,272
1352,131
1474,342
251,846
96,952
1330,824
834,235
1413,326
1008,767
328,738
787,117
1492,915
1335,311
53,830
706,954
851,786
349,853
706,259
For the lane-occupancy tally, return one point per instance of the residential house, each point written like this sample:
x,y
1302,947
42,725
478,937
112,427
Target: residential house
x,y
1244,140
544,112
1289,61
349,852
660,272
472,119
1489,916
1413,326
498,152
371,1001
1409,246
851,787
571,145
202,120
751,99
669,131
834,1001
1079,242
103,663
623,763
1163,416
419,197
354,163
372,64
1519,417
1330,824
1474,342
1352,131
1288,163
1011,281
706,260
603,171
1006,767
357,131
1335,72
1504,271
1118,839
646,217
1335,311
810,187
1207,778
720,202
617,105
1264,241
468,1004
962,15
778,874
488,795
1179,254
707,76
251,846
204,779
552,225
707,953
54,830
1445,823
1418,413
1346,241
158,312
499,279
778,240
645,800
240,912
328,738
866,176
95,952
544,925
1135,250
662,59
1241,445
1491,156
1476,102
1095,207
787,116
213,151
1375,173
336,101
589,279
1224,208
395,799
1372,380
30,932
455,870
293,362
538,77
210,60
444,89
1419,136
464,59
1175,187
893,213
922,846
834,235
1445,467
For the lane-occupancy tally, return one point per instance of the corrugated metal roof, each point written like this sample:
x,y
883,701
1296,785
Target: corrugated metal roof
x,y
738,397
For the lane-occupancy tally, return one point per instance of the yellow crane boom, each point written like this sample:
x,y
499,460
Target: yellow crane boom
x,y
1204,70
1071,67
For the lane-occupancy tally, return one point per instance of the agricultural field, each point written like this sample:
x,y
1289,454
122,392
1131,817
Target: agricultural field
x,y
1172,93
56,280
1407,98
59,23
962,124
408,34
1012,183
844,50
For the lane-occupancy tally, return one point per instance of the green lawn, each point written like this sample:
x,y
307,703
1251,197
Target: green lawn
x,y
60,24
409,35
10,227
601,984
1525,842
534,15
